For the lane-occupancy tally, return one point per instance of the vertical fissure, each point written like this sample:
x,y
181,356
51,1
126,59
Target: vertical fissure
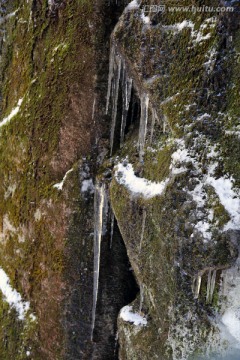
x,y
114,282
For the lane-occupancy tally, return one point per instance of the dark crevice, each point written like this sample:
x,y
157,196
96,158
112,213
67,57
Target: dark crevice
x,y
133,117
117,288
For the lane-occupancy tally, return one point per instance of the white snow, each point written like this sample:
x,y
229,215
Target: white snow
x,y
204,228
233,132
100,209
229,199
128,315
59,186
12,14
87,186
125,176
197,36
13,113
184,24
231,319
179,26
13,298
146,19
200,37
223,186
211,59
132,5
203,116
170,98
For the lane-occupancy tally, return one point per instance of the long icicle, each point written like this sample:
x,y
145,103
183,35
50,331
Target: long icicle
x,y
99,198
112,228
126,98
117,72
209,286
154,118
110,75
141,297
212,287
117,66
143,125
143,228
197,287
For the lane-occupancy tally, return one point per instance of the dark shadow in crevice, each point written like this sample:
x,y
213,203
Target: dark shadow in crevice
x,y
133,117
117,288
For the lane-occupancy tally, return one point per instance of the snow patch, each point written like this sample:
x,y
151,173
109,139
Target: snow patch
x,y
231,319
229,198
197,36
87,186
12,297
13,113
233,132
59,186
132,5
146,19
128,315
125,176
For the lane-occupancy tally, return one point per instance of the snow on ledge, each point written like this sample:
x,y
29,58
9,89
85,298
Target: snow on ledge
x,y
146,19
128,315
59,186
13,113
12,297
87,186
132,5
139,186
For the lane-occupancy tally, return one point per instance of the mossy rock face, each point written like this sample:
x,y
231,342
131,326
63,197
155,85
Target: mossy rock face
x,y
53,59
178,66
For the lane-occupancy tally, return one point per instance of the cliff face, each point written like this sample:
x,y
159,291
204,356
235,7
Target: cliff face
x,y
54,62
181,229
136,204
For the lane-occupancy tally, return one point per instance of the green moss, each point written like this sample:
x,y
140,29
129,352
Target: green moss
x,y
156,165
45,59
17,336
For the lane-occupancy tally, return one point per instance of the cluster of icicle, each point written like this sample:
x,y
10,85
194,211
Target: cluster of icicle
x,y
118,80
117,73
197,281
101,213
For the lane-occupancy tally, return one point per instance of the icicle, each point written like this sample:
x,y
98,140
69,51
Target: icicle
x,y
197,286
223,282
112,228
212,286
143,228
154,118
141,297
116,345
116,79
110,75
117,72
208,286
93,108
164,124
126,97
99,203
143,125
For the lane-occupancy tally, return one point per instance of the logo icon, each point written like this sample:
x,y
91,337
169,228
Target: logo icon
x,y
154,8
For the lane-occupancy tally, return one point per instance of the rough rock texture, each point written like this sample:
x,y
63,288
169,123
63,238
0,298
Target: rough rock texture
x,y
188,65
